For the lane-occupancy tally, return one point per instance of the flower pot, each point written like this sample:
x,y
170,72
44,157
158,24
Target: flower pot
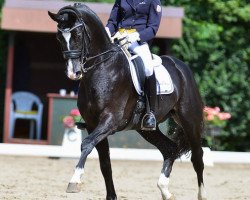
x,y
72,137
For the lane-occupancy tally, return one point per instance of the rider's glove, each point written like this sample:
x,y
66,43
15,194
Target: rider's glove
x,y
133,37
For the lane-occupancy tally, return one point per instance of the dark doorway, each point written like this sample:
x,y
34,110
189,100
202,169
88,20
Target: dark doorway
x,y
38,68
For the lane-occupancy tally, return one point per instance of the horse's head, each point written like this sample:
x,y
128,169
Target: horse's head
x,y
73,36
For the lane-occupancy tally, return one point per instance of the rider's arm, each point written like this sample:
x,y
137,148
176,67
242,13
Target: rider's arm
x,y
153,23
114,17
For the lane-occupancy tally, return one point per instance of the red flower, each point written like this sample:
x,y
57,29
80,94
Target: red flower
x,y
75,112
215,117
210,117
68,122
211,111
224,116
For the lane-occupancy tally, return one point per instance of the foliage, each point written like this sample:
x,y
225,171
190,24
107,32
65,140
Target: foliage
x,y
70,120
1,4
216,45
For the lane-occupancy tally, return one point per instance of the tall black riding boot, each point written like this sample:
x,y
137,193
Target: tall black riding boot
x,y
149,121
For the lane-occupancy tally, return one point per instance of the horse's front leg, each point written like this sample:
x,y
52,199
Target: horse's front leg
x,y
105,164
104,128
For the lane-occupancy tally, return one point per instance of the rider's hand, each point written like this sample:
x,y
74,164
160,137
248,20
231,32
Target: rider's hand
x,y
133,37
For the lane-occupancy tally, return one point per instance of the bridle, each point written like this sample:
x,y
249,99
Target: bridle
x,y
83,53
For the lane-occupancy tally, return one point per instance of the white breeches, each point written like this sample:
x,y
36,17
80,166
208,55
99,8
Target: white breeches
x,y
144,52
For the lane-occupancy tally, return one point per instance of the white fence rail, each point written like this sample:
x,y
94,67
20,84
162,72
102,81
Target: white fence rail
x,y
210,157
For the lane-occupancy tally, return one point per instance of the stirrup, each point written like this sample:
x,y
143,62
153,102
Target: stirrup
x,y
148,122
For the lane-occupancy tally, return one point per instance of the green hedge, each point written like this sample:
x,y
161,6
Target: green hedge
x,y
216,45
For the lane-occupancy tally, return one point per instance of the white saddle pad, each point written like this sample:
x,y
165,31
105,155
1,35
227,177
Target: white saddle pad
x,y
163,79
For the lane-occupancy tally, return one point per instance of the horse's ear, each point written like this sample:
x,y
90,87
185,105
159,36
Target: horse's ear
x,y
54,16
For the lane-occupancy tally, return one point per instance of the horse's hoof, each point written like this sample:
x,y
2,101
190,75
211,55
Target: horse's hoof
x,y
202,198
73,188
171,198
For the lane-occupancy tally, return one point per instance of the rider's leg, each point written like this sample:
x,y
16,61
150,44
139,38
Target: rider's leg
x,y
149,121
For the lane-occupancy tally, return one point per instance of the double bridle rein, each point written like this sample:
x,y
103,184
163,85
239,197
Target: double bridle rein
x,y
83,54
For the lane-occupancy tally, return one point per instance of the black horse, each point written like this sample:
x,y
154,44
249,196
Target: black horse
x,y
107,99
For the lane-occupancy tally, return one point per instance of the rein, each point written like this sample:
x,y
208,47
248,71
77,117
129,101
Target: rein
x,y
85,70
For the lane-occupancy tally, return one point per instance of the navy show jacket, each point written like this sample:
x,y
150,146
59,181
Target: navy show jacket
x,y
142,15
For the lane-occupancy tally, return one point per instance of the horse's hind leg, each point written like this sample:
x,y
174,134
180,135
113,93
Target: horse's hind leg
x,y
169,151
192,126
105,165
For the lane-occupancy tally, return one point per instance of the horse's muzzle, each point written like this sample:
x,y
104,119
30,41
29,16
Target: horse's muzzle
x,y
78,75
75,76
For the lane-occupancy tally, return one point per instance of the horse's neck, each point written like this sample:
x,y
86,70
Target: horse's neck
x,y
99,43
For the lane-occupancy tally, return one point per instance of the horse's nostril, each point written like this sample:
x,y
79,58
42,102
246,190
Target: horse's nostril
x,y
78,73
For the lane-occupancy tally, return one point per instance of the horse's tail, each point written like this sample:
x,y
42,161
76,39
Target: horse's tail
x,y
180,138
176,134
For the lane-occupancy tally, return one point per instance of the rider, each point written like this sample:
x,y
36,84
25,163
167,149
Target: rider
x,y
141,20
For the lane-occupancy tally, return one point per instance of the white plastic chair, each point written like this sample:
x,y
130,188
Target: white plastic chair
x,y
21,108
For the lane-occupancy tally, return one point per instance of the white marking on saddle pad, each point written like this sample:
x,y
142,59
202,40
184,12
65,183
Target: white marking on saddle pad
x,y
133,73
163,79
